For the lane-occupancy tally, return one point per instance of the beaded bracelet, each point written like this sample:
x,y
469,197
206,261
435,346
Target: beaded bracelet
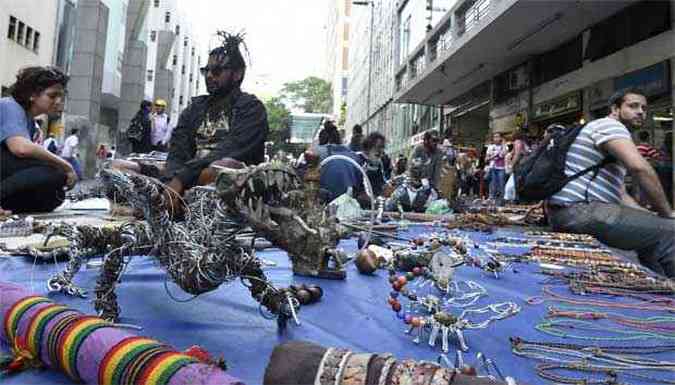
x,y
403,373
386,368
331,365
356,370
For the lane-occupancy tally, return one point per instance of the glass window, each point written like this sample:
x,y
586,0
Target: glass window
x,y
29,37
19,34
177,29
180,100
182,69
150,75
11,31
36,41
156,3
185,42
167,17
175,59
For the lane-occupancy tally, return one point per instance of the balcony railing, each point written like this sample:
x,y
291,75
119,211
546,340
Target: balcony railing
x,y
468,19
417,65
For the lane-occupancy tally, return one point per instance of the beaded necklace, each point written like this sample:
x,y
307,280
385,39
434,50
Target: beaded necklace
x,y
645,304
430,314
660,324
598,359
555,328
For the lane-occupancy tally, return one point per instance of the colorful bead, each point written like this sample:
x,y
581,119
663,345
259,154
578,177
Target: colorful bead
x,y
393,294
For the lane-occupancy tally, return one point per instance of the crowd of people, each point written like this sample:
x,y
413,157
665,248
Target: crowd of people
x,y
228,128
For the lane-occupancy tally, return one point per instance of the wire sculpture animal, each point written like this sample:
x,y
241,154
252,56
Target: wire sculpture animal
x,y
199,254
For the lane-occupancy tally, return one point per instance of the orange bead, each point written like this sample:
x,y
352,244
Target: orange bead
x,y
401,280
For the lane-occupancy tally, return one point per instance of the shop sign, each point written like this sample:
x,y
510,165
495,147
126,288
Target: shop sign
x,y
556,107
417,138
598,94
652,80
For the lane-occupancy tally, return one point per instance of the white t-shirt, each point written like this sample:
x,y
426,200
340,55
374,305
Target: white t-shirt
x,y
70,147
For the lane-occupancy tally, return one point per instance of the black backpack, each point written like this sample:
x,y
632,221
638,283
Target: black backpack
x,y
541,174
135,130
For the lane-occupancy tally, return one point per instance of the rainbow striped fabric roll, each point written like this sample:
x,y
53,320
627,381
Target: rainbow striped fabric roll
x,y
90,350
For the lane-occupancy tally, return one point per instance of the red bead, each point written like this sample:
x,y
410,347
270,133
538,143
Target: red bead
x,y
396,286
401,280
396,306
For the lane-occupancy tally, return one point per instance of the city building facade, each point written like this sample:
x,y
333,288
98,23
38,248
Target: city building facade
x,y
472,67
174,57
27,37
336,72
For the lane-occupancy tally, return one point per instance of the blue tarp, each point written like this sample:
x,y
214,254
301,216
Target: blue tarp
x,y
352,314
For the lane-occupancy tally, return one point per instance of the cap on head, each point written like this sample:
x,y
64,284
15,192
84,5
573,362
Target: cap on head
x,y
160,103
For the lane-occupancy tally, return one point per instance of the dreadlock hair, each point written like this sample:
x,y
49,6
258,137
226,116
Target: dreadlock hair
x,y
34,80
228,53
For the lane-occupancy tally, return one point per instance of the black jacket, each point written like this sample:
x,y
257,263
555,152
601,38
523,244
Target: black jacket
x,y
245,140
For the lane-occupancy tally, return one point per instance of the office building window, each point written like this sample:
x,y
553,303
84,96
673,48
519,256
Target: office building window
x,y
153,36
180,100
193,52
36,42
11,31
182,69
150,75
190,78
185,42
167,17
177,29
19,33
175,59
156,3
29,37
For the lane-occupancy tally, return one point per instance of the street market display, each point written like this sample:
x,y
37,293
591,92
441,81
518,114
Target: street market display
x,y
91,350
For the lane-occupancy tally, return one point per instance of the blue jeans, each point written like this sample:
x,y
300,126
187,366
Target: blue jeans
x,y
624,228
76,166
497,182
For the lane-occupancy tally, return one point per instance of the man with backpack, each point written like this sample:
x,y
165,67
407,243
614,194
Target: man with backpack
x,y
590,195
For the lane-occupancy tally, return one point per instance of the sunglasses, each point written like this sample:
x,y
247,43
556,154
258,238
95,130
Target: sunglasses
x,y
216,70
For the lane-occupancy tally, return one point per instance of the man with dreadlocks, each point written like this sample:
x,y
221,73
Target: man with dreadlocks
x,y
226,127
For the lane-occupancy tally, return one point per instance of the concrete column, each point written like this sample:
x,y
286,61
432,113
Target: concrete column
x,y
164,80
86,77
133,71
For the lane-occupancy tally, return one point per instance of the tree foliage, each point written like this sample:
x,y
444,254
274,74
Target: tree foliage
x,y
311,94
278,119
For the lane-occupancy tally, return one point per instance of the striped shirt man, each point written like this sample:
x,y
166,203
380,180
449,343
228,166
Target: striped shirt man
x,y
585,152
648,152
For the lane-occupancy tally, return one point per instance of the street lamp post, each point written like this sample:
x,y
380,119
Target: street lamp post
x,y
370,57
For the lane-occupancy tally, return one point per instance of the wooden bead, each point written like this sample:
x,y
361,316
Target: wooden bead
x,y
366,262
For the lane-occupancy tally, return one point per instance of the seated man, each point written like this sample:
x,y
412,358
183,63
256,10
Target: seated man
x,y
597,203
223,128
32,178
416,194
